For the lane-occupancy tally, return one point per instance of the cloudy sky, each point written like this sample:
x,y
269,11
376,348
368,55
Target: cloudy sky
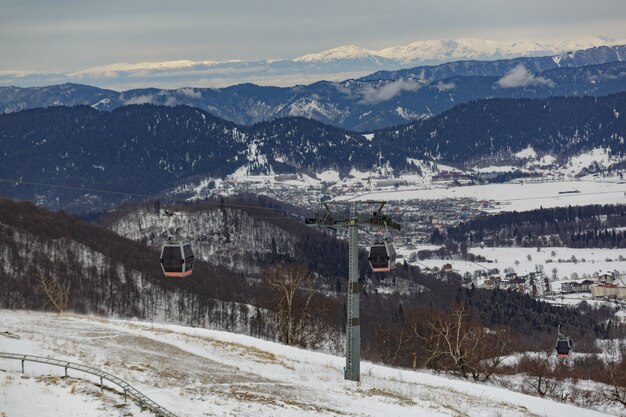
x,y
65,35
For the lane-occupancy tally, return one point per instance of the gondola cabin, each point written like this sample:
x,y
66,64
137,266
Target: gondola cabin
x,y
563,346
177,258
382,256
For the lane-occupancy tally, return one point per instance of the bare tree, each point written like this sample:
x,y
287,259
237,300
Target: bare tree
x,y
454,343
292,289
56,292
496,347
617,375
540,373
394,341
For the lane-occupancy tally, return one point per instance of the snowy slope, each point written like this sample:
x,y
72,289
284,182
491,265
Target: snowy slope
x,y
199,372
44,393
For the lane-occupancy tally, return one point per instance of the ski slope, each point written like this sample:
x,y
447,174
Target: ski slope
x,y
200,372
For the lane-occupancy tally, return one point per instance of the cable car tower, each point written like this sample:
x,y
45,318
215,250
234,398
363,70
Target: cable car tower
x,y
325,218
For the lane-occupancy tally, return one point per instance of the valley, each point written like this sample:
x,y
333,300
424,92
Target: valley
x,y
170,229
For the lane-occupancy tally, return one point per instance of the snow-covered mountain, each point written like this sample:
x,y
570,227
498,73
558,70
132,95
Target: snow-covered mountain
x,y
440,50
379,100
146,149
341,52
336,64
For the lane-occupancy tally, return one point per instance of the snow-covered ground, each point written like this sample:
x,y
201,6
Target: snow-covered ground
x,y
513,196
566,261
41,392
199,372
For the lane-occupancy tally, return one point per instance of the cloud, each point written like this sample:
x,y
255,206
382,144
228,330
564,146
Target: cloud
x,y
345,90
373,95
190,92
521,77
441,86
145,99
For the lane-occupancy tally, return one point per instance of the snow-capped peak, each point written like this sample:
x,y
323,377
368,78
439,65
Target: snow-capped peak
x,y
470,48
341,52
441,50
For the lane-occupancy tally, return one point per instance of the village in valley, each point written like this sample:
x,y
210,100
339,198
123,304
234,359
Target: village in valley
x,y
434,198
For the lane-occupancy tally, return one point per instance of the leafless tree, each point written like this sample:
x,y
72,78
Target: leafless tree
x,y
454,343
616,371
57,292
298,320
394,342
538,370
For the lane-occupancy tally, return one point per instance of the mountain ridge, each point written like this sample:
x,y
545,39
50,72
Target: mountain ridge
x,y
147,149
374,102
337,64
444,50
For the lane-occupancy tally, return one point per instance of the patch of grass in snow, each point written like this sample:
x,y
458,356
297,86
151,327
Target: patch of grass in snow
x,y
138,368
249,351
403,400
279,402
171,374
49,379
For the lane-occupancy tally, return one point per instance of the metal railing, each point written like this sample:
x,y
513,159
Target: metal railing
x,y
129,390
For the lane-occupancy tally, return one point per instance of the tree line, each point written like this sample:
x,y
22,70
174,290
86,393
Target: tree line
x,y
592,226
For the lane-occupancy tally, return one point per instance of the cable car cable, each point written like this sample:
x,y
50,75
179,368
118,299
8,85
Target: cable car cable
x,y
484,267
75,187
103,191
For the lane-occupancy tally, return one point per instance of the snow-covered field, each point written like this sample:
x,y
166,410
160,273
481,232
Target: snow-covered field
x,y
566,261
513,196
199,372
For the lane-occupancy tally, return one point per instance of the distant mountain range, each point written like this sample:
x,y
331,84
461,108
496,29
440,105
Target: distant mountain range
x,y
337,64
377,101
146,149
433,52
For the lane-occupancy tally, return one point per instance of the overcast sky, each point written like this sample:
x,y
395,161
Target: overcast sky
x,y
64,35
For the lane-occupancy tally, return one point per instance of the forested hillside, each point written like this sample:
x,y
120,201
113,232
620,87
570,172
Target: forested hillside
x,y
149,149
595,226
488,128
